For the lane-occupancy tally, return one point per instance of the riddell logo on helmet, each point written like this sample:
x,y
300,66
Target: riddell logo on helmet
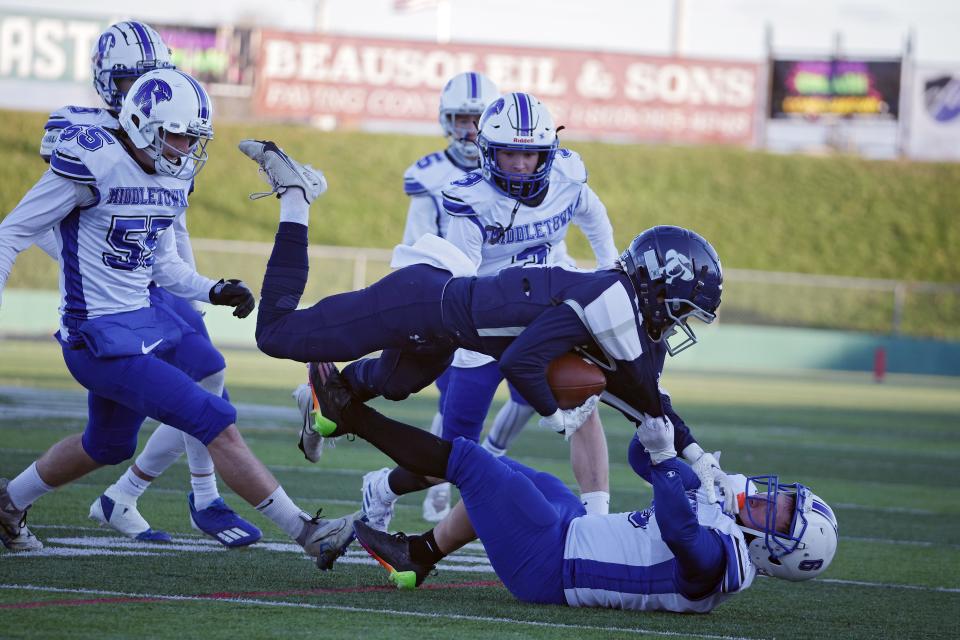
x,y
523,140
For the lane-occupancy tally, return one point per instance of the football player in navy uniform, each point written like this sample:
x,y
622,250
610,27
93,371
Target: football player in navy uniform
x,y
122,53
110,197
626,318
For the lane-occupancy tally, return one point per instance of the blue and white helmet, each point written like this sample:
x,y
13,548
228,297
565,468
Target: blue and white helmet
x,y
465,94
126,50
518,122
797,537
168,101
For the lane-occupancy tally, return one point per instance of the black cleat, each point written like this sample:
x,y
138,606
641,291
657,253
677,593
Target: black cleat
x,y
393,553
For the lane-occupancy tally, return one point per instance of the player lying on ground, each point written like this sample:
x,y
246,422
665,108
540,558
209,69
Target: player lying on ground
x,y
110,196
685,554
622,318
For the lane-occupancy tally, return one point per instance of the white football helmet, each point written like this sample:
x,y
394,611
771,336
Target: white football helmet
x,y
806,549
163,102
519,122
126,50
465,94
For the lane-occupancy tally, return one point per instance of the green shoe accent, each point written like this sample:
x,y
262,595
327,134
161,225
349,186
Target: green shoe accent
x,y
404,579
323,426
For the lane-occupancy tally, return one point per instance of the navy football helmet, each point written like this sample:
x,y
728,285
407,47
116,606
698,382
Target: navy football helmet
x,y
676,275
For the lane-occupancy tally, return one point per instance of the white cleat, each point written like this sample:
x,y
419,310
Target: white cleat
x,y
14,533
125,518
326,540
282,172
377,508
311,443
436,506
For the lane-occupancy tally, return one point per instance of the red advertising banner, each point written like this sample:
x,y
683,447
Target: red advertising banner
x,y
593,94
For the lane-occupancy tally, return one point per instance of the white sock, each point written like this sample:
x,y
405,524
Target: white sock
x,y
27,487
385,490
162,450
204,490
293,208
596,502
279,508
436,427
128,488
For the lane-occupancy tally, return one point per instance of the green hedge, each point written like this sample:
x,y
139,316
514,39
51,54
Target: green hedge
x,y
836,215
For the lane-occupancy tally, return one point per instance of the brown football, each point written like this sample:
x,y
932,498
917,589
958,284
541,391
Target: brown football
x,y
573,379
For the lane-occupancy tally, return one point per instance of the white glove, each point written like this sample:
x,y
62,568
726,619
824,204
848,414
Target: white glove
x,y
656,436
707,468
567,421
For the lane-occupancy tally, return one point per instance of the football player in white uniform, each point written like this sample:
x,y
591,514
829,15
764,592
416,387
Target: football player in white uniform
x,y
122,53
111,198
513,210
684,553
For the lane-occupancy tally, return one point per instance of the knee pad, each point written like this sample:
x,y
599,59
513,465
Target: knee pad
x,y
109,452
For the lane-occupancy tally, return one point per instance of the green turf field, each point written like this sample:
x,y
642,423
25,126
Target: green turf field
x,y
885,456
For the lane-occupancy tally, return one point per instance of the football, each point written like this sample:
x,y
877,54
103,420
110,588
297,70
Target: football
x,y
573,379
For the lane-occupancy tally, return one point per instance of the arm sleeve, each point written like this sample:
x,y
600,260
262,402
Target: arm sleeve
x,y
175,275
465,233
524,363
422,218
700,555
591,217
182,238
48,202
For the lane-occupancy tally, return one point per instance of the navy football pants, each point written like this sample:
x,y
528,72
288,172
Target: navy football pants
x,y
400,314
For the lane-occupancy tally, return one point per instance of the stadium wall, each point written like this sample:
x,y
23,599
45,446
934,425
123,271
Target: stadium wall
x,y
32,314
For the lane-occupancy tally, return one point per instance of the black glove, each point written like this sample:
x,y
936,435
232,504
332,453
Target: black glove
x,y
233,293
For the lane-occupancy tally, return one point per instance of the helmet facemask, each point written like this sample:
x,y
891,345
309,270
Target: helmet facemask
x,y
459,137
796,544
522,186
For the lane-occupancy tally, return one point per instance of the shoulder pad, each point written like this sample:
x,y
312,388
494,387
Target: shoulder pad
x,y
569,165
78,153
467,195
69,115
429,173
66,165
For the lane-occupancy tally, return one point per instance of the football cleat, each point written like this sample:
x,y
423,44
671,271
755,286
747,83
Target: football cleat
x,y
13,524
124,517
377,508
222,523
436,505
330,396
311,443
327,540
282,172
393,554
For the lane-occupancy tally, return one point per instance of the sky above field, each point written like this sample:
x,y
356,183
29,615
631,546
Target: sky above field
x,y
710,28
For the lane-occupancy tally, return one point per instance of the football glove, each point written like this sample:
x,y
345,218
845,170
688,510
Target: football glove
x,y
656,436
567,421
233,293
707,468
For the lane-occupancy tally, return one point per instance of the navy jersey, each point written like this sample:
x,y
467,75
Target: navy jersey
x,y
527,316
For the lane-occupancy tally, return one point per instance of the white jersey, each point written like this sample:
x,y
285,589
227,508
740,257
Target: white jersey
x,y
496,233
423,181
110,219
620,561
71,115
